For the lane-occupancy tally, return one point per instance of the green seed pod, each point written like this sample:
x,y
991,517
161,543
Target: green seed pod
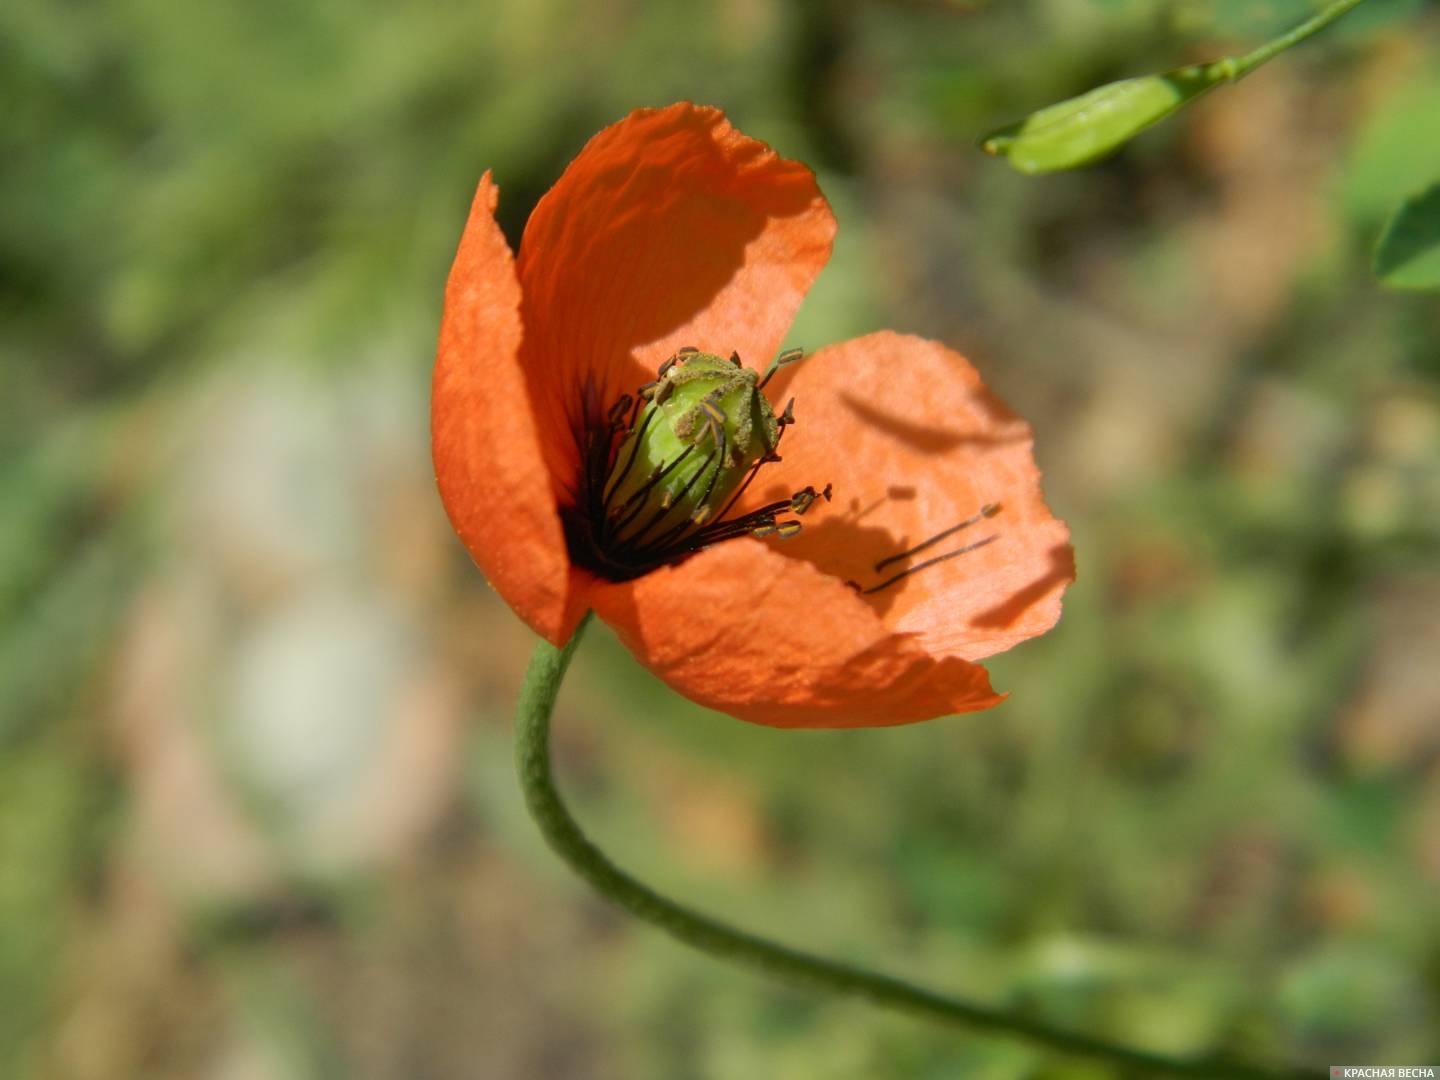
x,y
704,425
1083,129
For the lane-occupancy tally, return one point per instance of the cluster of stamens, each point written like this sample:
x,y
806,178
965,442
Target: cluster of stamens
x,y
665,468
638,511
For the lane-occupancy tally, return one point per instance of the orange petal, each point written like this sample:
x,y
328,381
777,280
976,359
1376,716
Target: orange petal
x,y
915,444
483,438
669,229
745,630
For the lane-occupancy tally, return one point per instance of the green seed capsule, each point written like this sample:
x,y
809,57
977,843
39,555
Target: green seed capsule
x,y
704,425
1083,129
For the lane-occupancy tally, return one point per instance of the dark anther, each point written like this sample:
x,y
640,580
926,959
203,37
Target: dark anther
x,y
786,418
618,411
658,384
803,500
789,356
735,358
686,350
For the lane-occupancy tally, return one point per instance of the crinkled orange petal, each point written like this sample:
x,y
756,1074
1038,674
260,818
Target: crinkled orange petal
x,y
669,229
488,465
914,444
746,630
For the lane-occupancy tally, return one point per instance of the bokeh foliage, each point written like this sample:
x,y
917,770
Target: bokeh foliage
x,y
255,810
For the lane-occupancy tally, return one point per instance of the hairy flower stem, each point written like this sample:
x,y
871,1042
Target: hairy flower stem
x,y
532,761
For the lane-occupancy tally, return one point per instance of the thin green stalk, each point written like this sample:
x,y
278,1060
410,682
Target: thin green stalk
x,y
532,761
1237,67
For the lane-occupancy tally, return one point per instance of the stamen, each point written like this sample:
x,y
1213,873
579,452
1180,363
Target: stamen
x,y
754,469
619,409
612,523
641,493
631,541
629,461
720,529
989,510
801,501
766,459
716,416
922,566
640,400
789,356
658,385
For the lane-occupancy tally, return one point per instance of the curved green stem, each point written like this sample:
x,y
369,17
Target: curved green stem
x,y
1237,67
532,760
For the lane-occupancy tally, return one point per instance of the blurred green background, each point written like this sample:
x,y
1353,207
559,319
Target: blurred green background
x,y
256,813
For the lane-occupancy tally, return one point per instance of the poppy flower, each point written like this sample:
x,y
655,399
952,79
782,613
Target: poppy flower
x,y
608,434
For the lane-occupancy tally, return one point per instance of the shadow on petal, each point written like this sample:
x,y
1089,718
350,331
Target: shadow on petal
x,y
669,229
845,548
1002,616
929,438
